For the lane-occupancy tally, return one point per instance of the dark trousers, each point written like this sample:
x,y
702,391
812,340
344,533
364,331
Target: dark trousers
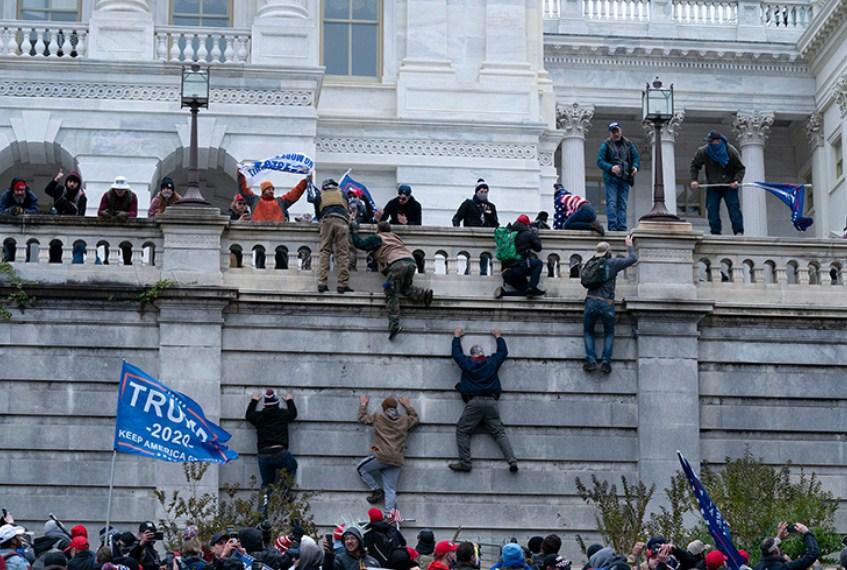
x,y
482,410
272,461
581,219
598,309
713,207
523,276
399,282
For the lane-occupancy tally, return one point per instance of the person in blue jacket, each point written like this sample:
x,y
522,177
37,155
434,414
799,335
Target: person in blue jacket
x,y
480,389
619,160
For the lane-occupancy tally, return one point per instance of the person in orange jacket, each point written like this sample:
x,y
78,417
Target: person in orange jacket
x,y
266,207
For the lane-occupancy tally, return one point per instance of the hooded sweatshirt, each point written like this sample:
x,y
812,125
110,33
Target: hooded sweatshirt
x,y
359,561
311,555
8,204
67,202
389,434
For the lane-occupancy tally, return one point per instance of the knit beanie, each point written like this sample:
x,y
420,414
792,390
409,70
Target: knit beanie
x,y
79,530
266,185
375,515
389,402
523,219
480,183
167,182
271,399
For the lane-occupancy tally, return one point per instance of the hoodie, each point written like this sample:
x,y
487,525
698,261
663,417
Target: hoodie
x,y
389,443
67,202
359,561
479,375
601,558
311,555
10,206
526,241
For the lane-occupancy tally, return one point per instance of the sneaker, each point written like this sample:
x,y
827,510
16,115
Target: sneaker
x,y
498,293
428,298
598,228
322,288
345,289
376,496
513,467
589,366
460,466
535,292
394,331
606,368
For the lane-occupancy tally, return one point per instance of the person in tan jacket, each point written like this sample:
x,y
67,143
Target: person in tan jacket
x,y
398,265
388,447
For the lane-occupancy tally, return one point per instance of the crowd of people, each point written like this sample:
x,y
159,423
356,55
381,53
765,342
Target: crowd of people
x,y
374,543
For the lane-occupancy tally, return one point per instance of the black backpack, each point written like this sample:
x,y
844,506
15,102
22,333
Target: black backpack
x,y
381,545
594,273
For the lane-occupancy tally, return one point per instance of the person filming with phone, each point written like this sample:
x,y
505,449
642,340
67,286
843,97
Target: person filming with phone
x,y
774,559
145,551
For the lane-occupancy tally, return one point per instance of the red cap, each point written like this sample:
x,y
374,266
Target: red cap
x,y
79,530
413,554
239,198
78,543
715,559
375,514
745,556
523,218
283,543
19,185
444,547
339,530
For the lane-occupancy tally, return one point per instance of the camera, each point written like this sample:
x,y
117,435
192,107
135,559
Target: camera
x,y
791,528
159,535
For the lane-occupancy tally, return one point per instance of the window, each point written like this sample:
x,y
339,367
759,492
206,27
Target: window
x,y
202,13
351,37
49,10
838,159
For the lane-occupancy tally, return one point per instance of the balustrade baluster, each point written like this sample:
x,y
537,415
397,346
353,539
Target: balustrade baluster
x,y
162,46
242,49
215,54
229,52
39,43
53,45
176,51
202,52
12,45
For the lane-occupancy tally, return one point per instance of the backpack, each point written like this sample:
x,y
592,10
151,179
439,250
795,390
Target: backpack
x,y
594,273
504,240
382,544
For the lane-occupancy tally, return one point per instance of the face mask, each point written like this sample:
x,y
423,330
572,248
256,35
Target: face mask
x,y
392,413
167,194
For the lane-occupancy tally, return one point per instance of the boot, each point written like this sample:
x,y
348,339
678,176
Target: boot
x,y
376,496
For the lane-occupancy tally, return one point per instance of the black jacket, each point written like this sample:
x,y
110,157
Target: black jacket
x,y
479,375
474,213
372,542
271,423
84,560
412,211
146,555
806,560
65,203
715,173
526,241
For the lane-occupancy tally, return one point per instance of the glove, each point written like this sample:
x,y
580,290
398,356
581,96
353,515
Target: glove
x,y
122,216
17,211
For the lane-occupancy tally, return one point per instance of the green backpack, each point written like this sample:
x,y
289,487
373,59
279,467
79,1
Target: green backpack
x,y
504,239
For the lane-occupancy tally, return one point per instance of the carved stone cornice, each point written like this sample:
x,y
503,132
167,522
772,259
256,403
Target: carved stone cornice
x,y
827,20
670,130
574,120
814,130
412,147
841,94
752,127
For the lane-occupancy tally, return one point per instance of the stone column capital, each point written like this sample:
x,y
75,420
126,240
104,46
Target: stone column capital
x,y
282,9
670,130
841,94
814,130
752,127
142,6
573,121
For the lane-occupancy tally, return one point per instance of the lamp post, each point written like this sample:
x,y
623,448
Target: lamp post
x,y
657,109
195,95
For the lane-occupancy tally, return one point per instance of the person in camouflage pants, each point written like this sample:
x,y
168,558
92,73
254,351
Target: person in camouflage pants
x,y
398,265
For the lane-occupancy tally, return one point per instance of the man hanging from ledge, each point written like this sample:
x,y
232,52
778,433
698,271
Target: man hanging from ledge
x,y
271,425
265,207
398,265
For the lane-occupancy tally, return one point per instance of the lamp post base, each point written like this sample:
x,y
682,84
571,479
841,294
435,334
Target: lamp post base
x,y
660,213
193,197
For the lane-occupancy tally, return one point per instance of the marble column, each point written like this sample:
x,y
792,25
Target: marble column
x,y
820,189
752,129
285,33
573,121
121,30
282,9
841,98
670,130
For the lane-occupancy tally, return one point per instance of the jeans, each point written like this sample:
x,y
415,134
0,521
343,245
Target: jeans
x,y
594,309
274,460
517,275
713,207
78,253
389,474
482,410
617,195
581,219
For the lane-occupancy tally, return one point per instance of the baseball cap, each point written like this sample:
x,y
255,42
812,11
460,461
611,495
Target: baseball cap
x,y
8,532
78,543
614,125
444,547
404,189
147,526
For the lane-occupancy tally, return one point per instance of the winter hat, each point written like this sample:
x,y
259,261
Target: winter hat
x,y
79,530
271,399
355,532
601,558
512,555
523,219
73,175
389,402
481,184
250,538
534,544
593,549
770,546
190,532
283,543
399,559
603,248
339,530
696,547
375,514
54,560
542,215
745,556
19,185
715,559
445,546
404,189
167,182
266,185
329,183
8,532
413,554
426,541
51,526
77,543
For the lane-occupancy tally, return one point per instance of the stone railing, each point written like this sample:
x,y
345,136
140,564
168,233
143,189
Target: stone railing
x,y
627,10
207,45
699,12
786,14
43,39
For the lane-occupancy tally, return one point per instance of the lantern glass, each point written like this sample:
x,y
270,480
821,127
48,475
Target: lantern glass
x,y
195,86
657,103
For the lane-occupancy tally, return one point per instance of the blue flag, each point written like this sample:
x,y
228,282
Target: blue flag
x,y
155,421
718,527
293,162
793,195
346,184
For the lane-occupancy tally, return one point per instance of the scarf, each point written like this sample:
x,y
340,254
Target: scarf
x,y
718,153
392,413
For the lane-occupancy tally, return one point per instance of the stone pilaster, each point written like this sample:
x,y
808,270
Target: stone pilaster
x,y
192,245
670,130
752,129
814,134
547,145
505,37
285,33
121,30
573,122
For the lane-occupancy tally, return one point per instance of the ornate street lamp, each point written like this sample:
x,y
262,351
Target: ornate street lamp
x,y
195,95
657,109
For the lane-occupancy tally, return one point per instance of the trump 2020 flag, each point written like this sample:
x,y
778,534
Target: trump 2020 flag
x,y
347,183
793,195
292,162
155,421
718,527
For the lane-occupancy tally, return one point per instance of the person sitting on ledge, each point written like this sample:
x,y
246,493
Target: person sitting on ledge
x,y
574,212
238,209
166,197
522,274
18,199
68,198
267,208
120,203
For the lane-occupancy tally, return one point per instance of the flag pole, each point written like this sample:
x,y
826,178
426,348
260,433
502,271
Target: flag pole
x,y
746,184
349,170
109,500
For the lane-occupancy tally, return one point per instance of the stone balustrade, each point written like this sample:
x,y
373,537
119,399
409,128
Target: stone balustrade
x,y
43,39
699,12
628,10
207,45
786,14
